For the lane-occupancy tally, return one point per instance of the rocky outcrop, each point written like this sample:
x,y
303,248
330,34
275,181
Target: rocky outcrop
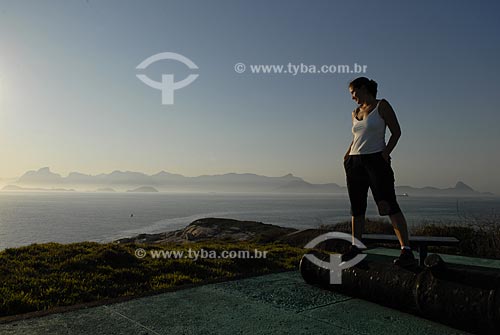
x,y
216,229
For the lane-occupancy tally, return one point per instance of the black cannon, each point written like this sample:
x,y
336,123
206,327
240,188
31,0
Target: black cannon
x,y
466,298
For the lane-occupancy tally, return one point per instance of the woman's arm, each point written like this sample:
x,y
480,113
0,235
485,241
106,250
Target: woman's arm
x,y
388,114
349,150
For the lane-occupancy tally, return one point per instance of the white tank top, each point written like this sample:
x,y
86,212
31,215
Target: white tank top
x,y
369,134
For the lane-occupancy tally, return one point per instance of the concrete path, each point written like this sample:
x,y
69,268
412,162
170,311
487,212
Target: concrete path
x,y
272,304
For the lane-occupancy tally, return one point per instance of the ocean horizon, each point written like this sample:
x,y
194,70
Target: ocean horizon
x,y
66,217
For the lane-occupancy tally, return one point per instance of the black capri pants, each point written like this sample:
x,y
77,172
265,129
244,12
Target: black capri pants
x,y
374,172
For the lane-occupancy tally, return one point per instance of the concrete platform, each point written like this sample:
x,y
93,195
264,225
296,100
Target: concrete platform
x,y
271,304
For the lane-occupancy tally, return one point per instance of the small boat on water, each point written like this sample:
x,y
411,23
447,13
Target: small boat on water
x,y
403,195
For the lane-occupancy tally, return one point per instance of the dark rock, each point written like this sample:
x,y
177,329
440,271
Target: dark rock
x,y
218,229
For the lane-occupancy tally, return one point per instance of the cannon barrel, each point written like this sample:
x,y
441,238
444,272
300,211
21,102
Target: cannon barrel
x,y
468,300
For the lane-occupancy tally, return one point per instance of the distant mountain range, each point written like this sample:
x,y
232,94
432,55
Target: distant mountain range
x,y
230,182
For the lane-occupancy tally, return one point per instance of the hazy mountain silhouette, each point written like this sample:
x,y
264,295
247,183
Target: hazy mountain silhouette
x,y
143,189
164,181
43,176
460,189
230,182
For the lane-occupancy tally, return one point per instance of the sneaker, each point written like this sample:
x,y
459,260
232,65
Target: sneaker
x,y
406,259
351,253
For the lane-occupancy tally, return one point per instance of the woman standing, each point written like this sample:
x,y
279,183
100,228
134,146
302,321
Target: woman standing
x,y
368,165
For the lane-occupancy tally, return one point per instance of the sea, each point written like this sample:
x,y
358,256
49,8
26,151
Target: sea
x,y
65,217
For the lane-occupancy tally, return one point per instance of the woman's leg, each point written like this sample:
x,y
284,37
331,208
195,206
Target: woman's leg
x,y
382,186
358,226
400,228
357,187
382,183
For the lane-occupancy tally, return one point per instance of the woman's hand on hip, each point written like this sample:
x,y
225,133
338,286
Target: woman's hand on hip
x,y
385,155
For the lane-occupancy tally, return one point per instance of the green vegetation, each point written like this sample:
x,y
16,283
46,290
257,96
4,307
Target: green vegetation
x,y
43,276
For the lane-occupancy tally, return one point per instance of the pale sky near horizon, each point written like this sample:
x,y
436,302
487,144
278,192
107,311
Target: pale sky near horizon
x,y
70,99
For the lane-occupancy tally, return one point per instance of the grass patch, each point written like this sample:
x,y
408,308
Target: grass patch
x,y
42,276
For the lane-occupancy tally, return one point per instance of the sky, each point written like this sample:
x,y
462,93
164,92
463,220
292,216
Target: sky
x,y
70,98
